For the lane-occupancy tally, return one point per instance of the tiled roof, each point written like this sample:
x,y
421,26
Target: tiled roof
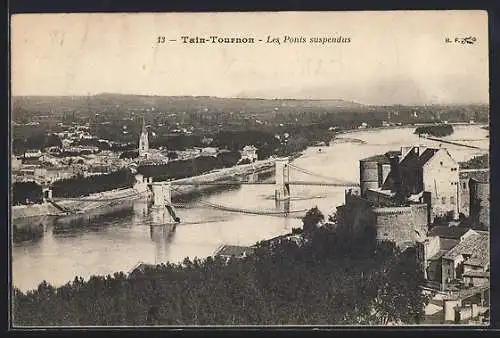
x,y
416,161
377,158
141,267
234,250
438,255
448,232
480,176
476,246
485,274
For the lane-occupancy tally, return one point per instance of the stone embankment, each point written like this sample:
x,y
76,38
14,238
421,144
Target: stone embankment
x,y
192,184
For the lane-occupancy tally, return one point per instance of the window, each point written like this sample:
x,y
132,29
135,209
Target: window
x,y
464,185
452,200
453,169
443,200
441,162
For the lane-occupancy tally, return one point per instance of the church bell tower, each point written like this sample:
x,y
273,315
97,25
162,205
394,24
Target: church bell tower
x,y
143,141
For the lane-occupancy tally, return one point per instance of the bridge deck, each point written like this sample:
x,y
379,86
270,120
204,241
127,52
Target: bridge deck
x,y
304,183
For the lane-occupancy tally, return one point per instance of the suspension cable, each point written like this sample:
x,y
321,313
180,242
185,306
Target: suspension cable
x,y
305,171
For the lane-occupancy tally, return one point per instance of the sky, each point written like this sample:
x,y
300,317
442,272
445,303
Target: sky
x,y
392,58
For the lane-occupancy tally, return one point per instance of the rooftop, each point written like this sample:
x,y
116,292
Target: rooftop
x,y
484,274
475,246
480,176
448,232
234,250
467,293
415,160
438,255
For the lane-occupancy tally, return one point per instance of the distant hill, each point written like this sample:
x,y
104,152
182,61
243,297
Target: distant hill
x,y
110,102
200,111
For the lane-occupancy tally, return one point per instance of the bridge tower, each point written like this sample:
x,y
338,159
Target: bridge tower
x,y
162,199
282,188
47,194
158,194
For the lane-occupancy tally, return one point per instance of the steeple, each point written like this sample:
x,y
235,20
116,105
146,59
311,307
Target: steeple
x,y
143,141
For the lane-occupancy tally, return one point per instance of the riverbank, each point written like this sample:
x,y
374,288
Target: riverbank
x,y
80,206
194,184
100,202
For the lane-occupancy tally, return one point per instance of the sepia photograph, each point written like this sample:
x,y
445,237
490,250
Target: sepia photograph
x,y
263,169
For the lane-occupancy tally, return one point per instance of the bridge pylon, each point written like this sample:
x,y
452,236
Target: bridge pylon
x,y
46,194
158,194
162,198
282,187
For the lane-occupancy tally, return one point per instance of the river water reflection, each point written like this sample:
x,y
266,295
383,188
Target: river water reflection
x,y
117,242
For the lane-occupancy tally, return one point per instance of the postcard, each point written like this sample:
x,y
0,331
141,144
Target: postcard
x,y
263,169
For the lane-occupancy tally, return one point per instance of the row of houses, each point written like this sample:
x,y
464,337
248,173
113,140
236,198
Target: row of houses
x,y
419,197
455,257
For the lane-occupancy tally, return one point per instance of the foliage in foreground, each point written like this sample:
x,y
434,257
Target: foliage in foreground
x,y
327,280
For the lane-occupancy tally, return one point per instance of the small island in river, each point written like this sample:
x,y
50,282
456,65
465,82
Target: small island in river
x,y
437,130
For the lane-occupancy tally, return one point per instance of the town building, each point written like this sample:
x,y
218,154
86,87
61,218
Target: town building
x,y
468,262
430,250
233,251
475,196
50,175
403,192
249,153
479,185
467,306
209,151
32,154
15,163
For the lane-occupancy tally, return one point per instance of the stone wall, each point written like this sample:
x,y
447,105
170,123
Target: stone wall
x,y
397,224
401,224
356,214
379,198
25,211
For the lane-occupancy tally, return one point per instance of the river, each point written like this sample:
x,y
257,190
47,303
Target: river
x,y
118,242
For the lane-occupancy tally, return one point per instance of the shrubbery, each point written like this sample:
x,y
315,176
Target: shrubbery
x,y
83,186
477,162
129,154
189,168
26,191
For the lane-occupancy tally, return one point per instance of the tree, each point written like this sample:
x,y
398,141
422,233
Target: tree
x,y
399,298
129,154
22,191
53,140
311,220
172,155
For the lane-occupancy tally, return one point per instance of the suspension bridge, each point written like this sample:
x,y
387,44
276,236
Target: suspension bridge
x,y
162,192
